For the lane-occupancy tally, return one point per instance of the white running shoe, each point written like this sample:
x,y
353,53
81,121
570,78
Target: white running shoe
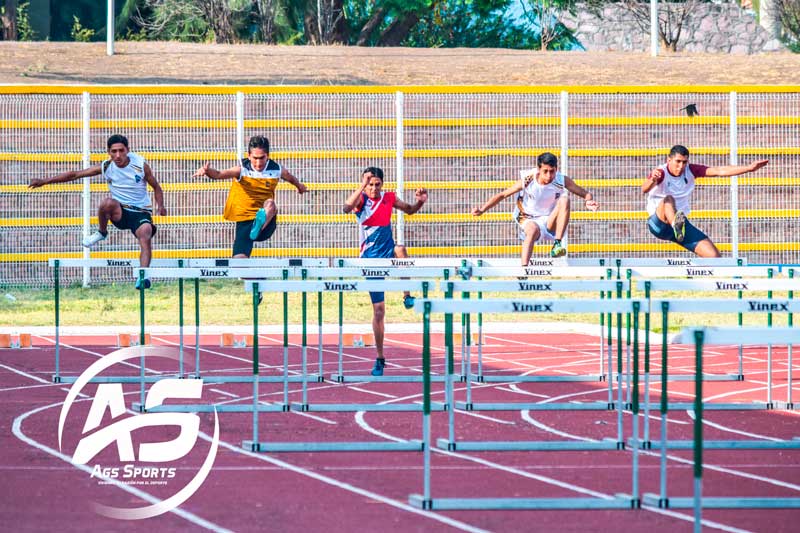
x,y
93,239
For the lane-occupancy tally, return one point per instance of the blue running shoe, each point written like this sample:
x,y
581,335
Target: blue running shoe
x,y
408,301
139,284
258,223
377,370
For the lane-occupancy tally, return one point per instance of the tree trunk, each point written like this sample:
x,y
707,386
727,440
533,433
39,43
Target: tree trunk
x,y
398,30
373,22
9,21
310,24
266,20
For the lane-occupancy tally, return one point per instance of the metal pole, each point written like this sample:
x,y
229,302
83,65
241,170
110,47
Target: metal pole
x,y
564,108
698,430
734,160
654,28
87,188
239,125
110,28
398,109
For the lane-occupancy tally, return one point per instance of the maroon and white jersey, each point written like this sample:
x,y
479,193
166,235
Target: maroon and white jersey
x,y
679,187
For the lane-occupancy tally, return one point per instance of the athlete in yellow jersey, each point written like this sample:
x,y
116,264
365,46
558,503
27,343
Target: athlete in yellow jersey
x,y
251,200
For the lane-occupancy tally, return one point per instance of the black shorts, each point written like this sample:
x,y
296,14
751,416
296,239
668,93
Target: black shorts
x,y
132,218
243,244
663,231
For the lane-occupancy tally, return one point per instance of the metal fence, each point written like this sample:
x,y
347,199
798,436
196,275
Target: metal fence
x,y
462,143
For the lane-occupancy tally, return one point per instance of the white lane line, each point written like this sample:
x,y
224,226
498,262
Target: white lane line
x,y
548,480
732,430
28,387
225,393
25,374
186,515
282,464
376,393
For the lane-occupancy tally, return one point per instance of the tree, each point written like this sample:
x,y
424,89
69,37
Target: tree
x,y
546,15
671,18
9,20
787,14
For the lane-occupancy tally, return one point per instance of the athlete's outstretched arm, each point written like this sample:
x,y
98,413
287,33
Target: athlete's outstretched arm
x,y
208,171
354,200
497,198
289,178
574,188
735,170
157,191
420,195
64,177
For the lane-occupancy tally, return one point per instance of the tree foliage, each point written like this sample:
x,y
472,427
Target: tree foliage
x,y
787,13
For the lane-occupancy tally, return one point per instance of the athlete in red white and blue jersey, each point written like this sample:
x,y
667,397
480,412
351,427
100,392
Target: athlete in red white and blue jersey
x,y
373,210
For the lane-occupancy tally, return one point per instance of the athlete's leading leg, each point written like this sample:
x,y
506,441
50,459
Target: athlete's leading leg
x,y
532,235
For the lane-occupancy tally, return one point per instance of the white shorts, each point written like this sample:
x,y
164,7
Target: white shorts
x,y
544,233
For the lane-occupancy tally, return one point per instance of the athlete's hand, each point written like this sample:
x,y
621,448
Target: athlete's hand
x,y
202,171
657,175
161,211
761,163
592,205
421,195
477,212
301,188
36,183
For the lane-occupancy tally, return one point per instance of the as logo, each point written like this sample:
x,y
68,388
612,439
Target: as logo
x,y
118,435
138,178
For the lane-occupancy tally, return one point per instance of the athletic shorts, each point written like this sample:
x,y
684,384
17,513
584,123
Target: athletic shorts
x,y
377,297
132,218
243,244
541,221
663,231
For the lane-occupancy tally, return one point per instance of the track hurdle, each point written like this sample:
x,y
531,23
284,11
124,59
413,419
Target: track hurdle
x,y
390,268
746,336
526,286
339,286
123,264
448,307
701,337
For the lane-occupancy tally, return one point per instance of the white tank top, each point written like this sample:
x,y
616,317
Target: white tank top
x,y
535,199
680,187
127,185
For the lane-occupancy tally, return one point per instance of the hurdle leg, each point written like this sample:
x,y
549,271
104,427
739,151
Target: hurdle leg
x,y
285,348
769,377
426,404
141,341
320,372
56,297
627,360
602,344
646,436
180,322
620,405
663,501
610,352
340,377
256,293
197,328
304,349
698,432
451,401
635,495
789,403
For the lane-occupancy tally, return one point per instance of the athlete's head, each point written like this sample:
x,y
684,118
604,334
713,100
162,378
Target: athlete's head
x,y
258,152
547,164
677,160
374,179
118,149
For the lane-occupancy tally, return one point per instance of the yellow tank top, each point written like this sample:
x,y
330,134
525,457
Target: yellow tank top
x,y
250,190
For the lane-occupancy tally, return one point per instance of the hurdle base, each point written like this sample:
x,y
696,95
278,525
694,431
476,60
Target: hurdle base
x,y
116,379
706,377
729,445
369,407
344,378
488,504
536,379
560,406
683,406
209,408
480,446
727,502
275,447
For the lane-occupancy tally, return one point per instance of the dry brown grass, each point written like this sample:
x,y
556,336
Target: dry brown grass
x,y
179,63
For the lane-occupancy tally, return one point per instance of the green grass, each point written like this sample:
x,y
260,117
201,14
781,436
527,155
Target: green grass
x,y
225,303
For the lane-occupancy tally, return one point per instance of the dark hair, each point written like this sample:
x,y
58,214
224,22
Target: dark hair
x,y
378,173
679,150
547,159
258,141
114,139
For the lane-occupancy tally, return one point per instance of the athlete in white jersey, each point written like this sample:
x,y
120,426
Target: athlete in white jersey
x,y
129,207
542,206
669,189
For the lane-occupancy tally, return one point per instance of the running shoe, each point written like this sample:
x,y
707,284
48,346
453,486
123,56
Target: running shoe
x,y
377,370
139,283
679,226
558,250
408,301
93,239
258,223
